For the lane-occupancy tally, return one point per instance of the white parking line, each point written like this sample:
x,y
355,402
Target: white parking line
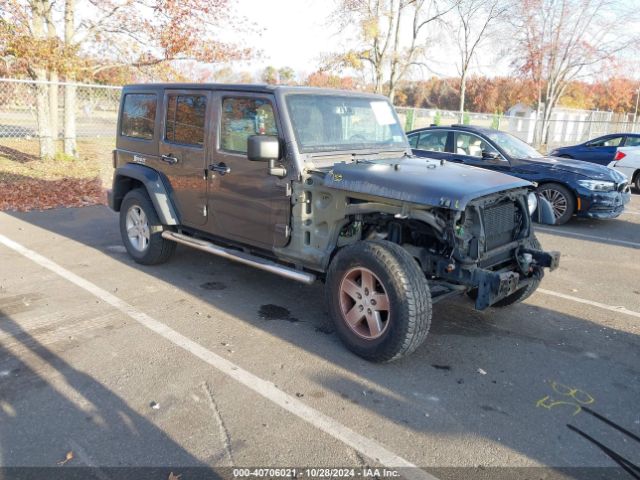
x,y
588,237
604,306
366,446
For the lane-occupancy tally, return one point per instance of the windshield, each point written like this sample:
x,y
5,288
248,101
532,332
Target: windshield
x,y
514,146
328,122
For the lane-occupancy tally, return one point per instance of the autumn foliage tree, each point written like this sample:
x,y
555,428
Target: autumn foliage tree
x,y
75,39
558,41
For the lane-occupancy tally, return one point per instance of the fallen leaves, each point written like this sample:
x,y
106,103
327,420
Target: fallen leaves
x,y
67,458
28,183
37,194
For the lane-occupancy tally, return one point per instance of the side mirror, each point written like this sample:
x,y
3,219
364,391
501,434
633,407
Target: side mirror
x,y
262,148
491,156
266,148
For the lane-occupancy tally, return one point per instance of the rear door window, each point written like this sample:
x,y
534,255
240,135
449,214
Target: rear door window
x,y
184,123
434,141
138,115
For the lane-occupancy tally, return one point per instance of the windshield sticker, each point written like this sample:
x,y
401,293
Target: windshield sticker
x,y
383,113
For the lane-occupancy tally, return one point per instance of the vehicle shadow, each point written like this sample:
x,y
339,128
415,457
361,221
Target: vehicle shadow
x,y
53,411
513,377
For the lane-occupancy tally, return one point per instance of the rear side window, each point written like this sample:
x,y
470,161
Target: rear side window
x,y
434,141
138,115
243,117
185,119
606,142
632,142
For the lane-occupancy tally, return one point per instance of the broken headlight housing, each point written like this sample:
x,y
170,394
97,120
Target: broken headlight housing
x,y
532,202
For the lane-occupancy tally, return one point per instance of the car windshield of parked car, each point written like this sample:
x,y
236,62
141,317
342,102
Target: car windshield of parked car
x,y
514,146
328,122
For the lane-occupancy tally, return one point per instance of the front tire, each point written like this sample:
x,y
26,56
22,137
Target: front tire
x,y
519,295
141,230
636,181
525,292
561,199
379,300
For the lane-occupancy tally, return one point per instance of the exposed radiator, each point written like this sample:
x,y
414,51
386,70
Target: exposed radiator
x,y
499,223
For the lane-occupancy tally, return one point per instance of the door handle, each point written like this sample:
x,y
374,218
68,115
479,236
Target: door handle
x,y
220,168
170,159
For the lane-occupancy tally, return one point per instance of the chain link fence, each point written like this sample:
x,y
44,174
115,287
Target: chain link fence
x,y
565,128
96,112
96,109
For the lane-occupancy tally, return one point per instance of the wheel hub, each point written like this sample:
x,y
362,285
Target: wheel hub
x,y
557,200
364,303
137,228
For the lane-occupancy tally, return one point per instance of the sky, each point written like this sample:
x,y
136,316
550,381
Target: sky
x,y
295,33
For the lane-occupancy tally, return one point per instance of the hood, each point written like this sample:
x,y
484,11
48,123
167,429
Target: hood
x,y
420,180
578,167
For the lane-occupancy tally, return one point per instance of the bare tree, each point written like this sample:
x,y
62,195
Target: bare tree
x,y
70,146
38,72
474,18
392,37
53,76
557,41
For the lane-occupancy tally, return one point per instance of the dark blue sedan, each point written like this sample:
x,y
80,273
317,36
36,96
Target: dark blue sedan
x,y
600,150
572,187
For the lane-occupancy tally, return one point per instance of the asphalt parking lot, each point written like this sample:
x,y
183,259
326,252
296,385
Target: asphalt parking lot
x,y
204,362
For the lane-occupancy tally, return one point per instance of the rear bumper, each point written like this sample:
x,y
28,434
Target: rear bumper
x,y
494,286
602,205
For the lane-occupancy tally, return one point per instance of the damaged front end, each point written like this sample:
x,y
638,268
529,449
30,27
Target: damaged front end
x,y
493,251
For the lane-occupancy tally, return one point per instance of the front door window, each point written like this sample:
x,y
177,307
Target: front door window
x,y
471,145
243,117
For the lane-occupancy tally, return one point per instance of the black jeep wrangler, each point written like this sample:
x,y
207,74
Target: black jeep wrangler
x,y
321,184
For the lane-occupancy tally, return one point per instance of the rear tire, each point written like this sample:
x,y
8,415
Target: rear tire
x,y
141,230
379,300
562,200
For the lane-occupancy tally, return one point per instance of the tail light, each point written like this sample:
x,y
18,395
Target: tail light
x,y
619,156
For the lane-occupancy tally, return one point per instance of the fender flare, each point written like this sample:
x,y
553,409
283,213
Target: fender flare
x,y
153,183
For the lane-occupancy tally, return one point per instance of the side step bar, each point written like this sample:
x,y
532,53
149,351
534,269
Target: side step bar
x,y
241,257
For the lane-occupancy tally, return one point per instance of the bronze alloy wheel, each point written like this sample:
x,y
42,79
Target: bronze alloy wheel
x,y
364,303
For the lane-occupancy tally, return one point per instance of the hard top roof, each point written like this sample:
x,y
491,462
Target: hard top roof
x,y
241,87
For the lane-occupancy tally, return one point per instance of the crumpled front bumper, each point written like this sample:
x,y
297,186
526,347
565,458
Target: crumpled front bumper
x,y
602,205
494,286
